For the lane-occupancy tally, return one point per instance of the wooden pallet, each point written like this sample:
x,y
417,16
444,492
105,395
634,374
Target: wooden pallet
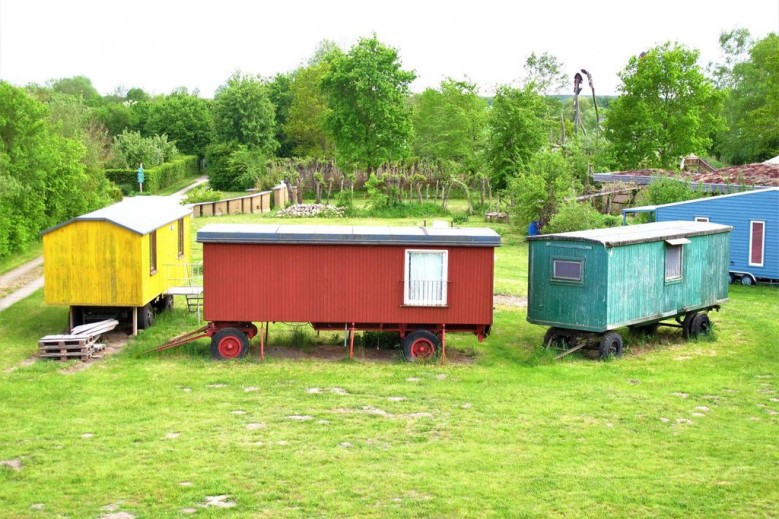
x,y
81,343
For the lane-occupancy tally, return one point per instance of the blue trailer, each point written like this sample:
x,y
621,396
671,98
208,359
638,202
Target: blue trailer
x,y
754,241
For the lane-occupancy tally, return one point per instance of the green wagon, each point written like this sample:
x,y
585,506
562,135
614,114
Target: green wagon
x,y
585,285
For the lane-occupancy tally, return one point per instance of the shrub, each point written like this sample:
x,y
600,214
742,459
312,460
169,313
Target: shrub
x,y
574,216
202,194
129,150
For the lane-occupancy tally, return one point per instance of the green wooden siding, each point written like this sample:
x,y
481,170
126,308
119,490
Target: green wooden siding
x,y
625,284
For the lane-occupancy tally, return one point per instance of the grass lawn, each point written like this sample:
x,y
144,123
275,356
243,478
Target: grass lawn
x,y
672,429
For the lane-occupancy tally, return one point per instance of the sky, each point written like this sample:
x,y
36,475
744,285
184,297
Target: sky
x,y
161,45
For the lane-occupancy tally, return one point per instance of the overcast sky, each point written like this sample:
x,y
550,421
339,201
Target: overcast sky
x,y
159,45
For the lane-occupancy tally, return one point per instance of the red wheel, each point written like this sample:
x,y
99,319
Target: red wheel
x,y
229,343
420,345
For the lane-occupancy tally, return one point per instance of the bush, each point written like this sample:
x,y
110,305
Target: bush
x,y
129,150
574,216
155,178
202,194
402,210
460,219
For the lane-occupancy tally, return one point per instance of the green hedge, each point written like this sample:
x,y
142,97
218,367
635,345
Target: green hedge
x,y
158,177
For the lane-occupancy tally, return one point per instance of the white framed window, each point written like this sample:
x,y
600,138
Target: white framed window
x,y
425,277
674,257
756,243
704,219
567,270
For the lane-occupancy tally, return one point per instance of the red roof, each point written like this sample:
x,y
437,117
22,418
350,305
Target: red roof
x,y
759,174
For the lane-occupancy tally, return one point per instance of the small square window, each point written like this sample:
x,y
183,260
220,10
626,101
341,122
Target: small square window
x,y
567,270
673,262
425,282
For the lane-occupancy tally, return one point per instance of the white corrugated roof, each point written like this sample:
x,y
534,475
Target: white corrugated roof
x,y
140,214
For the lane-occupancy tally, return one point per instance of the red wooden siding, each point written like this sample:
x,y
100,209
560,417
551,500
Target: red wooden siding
x,y
337,284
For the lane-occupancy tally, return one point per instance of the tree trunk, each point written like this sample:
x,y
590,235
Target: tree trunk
x,y
467,194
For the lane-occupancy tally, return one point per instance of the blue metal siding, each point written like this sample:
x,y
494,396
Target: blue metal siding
x,y
737,211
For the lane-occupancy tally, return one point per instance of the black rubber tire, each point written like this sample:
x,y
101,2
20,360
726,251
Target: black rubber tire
x,y
732,278
747,280
701,325
145,317
229,343
554,340
687,323
421,345
610,345
163,304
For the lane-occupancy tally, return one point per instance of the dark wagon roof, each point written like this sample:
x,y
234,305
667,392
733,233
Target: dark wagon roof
x,y
628,234
140,214
344,235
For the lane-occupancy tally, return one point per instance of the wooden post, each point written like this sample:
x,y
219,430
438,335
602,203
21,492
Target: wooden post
x,y
135,321
443,344
351,343
262,343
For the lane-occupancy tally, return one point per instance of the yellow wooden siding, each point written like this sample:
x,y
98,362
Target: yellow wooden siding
x,y
97,263
92,263
171,269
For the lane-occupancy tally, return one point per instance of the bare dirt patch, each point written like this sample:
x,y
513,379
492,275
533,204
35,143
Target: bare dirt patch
x,y
501,300
14,464
114,342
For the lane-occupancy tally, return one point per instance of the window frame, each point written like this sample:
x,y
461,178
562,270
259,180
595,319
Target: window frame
x,y
674,246
702,219
181,237
575,281
762,244
444,300
153,252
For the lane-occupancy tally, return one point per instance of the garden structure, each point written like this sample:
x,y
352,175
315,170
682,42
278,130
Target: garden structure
x,y
754,216
120,261
587,284
421,282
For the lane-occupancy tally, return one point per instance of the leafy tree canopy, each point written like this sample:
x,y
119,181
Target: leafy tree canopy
x,y
79,86
370,121
450,124
666,109
244,113
185,118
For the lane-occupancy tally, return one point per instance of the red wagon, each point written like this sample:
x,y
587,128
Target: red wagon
x,y
419,281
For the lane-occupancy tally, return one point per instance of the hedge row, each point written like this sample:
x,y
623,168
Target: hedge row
x,y
158,177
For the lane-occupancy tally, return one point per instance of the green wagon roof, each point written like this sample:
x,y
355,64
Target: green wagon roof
x,y
628,234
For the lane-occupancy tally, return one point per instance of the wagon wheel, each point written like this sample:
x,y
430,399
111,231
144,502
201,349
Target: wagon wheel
x,y
700,325
145,316
554,340
421,345
229,343
610,345
687,323
747,280
732,278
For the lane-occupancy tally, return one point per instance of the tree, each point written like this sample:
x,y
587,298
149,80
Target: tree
x,y
538,189
308,113
370,121
78,86
751,107
544,74
666,109
185,118
450,124
280,94
244,114
518,128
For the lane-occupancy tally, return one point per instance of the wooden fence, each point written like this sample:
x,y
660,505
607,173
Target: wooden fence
x,y
261,202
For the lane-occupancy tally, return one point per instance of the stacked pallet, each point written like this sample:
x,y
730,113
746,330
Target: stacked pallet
x,y
81,343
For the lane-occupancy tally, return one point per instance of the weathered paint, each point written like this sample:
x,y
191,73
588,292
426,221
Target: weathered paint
x,y
338,284
98,263
624,284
